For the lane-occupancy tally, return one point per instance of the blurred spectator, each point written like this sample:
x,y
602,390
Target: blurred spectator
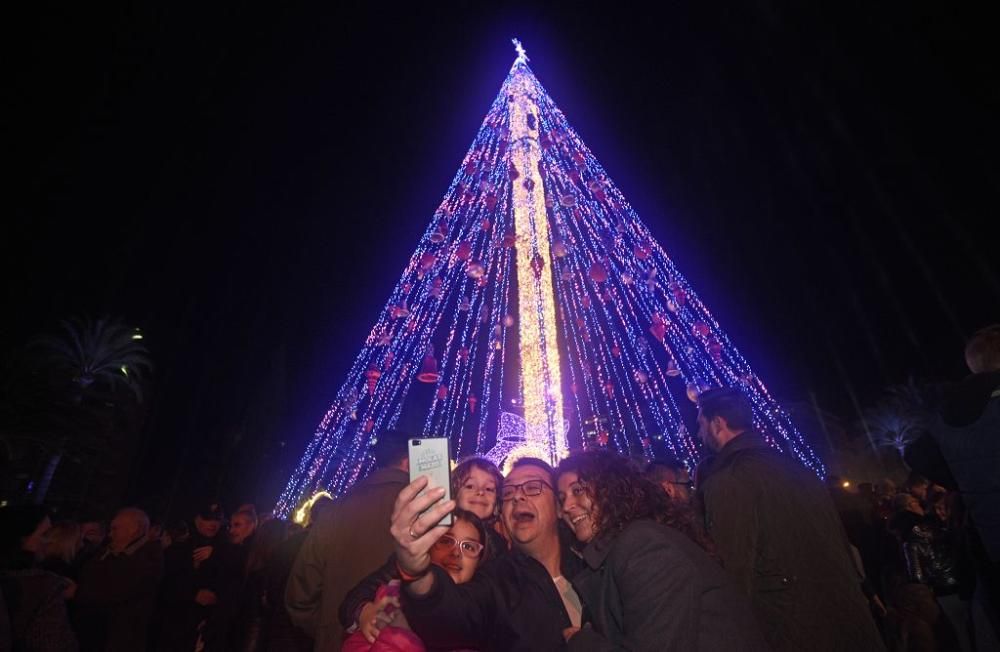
x,y
282,636
776,529
344,547
197,574
250,628
117,591
60,547
34,598
242,526
673,476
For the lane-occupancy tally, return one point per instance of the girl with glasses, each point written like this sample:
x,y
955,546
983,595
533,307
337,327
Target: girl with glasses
x,y
371,609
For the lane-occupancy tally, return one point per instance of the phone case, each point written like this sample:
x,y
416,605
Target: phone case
x,y
430,456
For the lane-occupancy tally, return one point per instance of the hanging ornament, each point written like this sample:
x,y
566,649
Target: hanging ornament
x,y
485,224
585,301
475,269
627,278
440,233
579,159
484,314
385,340
602,438
372,376
616,351
559,249
429,368
442,392
491,201
472,403
509,239
512,172
658,328
426,263
437,287
680,296
470,167
574,175
464,251
568,200
369,425
641,376
671,306
389,355
609,389
595,185
400,310
700,329
465,305
692,392
549,201
508,320
566,275
463,354
598,274
715,350
642,251
529,184
642,344
537,265
672,369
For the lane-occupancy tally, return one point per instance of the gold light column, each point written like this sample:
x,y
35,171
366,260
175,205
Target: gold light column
x,y
541,381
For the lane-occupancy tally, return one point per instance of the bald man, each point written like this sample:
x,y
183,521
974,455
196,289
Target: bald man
x,y
117,589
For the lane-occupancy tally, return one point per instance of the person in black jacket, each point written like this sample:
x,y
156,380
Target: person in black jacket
x,y
517,602
198,574
779,536
646,585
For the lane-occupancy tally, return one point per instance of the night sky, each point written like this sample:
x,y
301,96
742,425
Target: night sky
x,y
247,184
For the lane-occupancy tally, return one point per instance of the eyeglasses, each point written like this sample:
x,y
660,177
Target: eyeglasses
x,y
529,488
467,547
688,484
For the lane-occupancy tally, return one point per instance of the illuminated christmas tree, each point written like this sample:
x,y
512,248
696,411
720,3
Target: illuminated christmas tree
x,y
542,314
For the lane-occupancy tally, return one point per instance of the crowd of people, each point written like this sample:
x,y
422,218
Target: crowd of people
x,y
748,551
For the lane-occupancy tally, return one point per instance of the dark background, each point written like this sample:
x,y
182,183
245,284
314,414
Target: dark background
x,y
246,184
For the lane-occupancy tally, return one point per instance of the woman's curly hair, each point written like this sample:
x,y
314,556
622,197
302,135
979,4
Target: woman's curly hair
x,y
622,495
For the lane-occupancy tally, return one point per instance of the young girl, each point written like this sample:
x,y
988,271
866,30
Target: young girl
x,y
372,607
475,484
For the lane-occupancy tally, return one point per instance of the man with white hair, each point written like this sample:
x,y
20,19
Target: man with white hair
x,y
117,588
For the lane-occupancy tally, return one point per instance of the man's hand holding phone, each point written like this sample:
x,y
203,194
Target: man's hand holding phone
x,y
415,529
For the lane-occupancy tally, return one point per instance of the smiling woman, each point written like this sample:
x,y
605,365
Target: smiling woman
x,y
646,585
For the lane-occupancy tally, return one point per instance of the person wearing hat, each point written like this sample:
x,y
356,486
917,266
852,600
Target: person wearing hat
x,y
348,543
197,575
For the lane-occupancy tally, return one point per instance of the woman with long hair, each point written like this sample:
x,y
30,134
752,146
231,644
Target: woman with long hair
x,y
646,585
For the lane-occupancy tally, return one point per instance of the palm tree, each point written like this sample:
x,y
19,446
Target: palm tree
x,y
905,414
98,356
88,363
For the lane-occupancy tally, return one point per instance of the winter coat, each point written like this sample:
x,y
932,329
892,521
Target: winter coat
x,y
780,538
510,604
649,587
927,561
350,541
37,611
116,596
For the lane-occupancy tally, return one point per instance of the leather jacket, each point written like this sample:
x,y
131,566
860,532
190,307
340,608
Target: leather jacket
x,y
928,559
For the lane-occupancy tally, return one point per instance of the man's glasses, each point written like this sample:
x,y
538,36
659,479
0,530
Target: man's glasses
x,y
688,484
529,488
467,547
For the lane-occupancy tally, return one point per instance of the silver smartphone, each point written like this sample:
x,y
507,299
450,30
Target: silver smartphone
x,y
430,456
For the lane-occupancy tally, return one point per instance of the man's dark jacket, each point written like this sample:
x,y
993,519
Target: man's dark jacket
x,y
350,541
510,604
116,597
649,587
779,536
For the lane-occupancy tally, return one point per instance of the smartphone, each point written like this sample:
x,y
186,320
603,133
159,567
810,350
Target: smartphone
x,y
430,456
